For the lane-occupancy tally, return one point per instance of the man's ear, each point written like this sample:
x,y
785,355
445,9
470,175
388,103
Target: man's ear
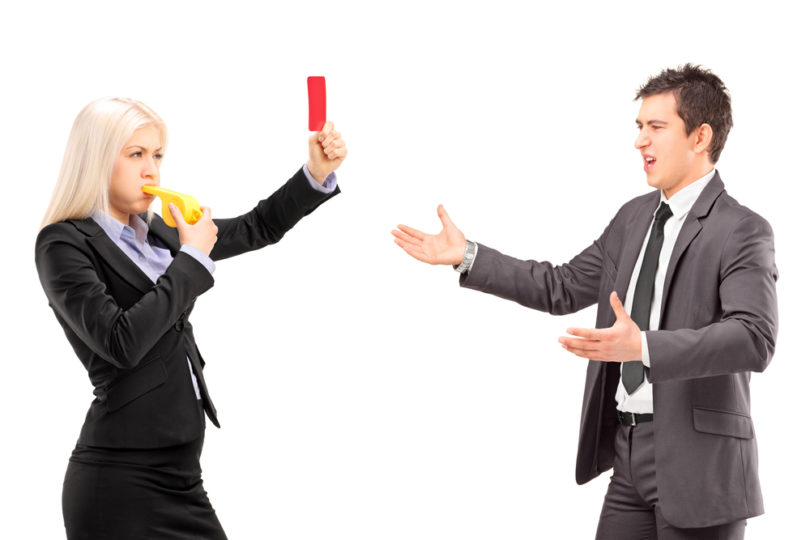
x,y
703,138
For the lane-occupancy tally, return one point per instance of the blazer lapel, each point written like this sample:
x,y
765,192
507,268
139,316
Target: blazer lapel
x,y
637,228
117,259
167,235
691,228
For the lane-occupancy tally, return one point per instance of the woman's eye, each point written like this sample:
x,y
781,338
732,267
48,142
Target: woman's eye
x,y
135,155
158,156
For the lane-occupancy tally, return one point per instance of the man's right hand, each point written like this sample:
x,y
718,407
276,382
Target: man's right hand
x,y
447,247
202,235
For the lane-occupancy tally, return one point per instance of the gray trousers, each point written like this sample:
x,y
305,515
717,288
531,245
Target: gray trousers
x,y
630,511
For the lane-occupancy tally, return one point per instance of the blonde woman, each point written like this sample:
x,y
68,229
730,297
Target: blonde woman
x,y
122,285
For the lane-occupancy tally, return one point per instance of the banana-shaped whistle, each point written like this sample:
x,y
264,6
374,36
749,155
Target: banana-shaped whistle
x,y
187,204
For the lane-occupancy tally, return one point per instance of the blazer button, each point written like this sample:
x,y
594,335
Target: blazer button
x,y
179,325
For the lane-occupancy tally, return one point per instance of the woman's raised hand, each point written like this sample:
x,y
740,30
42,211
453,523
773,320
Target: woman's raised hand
x,y
327,150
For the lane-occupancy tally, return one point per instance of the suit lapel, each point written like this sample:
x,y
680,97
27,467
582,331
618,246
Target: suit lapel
x,y
167,235
117,259
691,228
637,228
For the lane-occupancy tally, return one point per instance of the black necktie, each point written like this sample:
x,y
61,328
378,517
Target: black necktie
x,y
633,372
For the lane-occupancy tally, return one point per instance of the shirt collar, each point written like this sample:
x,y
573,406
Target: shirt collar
x,y
137,228
682,202
140,227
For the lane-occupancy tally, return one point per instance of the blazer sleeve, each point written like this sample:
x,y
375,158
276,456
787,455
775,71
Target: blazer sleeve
x,y
558,290
270,219
67,271
744,337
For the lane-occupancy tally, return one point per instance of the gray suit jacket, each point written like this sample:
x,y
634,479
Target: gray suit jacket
x,y
718,324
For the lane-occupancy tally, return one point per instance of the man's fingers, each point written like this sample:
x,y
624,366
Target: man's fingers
x,y
577,353
590,355
617,306
580,344
444,217
414,252
406,238
587,333
419,235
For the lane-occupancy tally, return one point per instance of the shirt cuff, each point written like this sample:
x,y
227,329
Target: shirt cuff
x,y
475,253
328,185
201,257
645,350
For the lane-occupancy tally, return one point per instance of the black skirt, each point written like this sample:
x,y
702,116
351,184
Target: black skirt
x,y
138,494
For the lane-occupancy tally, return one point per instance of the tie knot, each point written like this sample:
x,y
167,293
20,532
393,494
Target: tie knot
x,y
663,213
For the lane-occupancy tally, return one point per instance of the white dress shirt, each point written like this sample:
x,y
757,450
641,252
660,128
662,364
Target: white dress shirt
x,y
641,401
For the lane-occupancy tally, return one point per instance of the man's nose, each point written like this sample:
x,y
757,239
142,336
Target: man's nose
x,y
642,140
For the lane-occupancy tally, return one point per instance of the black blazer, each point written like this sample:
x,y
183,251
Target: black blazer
x,y
133,335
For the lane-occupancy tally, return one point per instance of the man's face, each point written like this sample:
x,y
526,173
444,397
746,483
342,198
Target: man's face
x,y
668,152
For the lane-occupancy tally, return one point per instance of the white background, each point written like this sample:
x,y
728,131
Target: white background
x,y
362,394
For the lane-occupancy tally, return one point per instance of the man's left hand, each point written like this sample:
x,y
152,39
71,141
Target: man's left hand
x,y
619,343
326,152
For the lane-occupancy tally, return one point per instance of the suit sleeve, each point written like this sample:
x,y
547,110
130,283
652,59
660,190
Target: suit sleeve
x,y
744,338
80,300
270,219
558,290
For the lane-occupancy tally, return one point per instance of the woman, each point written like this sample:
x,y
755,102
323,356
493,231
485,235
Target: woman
x,y
122,285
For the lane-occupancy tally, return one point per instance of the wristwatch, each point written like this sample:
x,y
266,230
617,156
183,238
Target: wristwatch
x,y
470,250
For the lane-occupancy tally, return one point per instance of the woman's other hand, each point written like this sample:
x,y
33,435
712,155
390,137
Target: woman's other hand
x,y
202,235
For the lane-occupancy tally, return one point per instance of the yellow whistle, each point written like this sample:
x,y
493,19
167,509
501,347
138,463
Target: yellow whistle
x,y
187,204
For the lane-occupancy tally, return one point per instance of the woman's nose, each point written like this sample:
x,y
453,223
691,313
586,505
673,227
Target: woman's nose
x,y
150,169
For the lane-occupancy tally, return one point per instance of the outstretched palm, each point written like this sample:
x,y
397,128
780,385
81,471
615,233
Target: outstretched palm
x,y
447,247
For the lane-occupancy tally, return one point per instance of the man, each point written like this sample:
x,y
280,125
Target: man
x,y
667,383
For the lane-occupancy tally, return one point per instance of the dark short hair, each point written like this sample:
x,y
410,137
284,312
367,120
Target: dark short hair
x,y
701,98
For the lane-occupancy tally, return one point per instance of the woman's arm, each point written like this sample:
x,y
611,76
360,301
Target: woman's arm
x,y
67,270
270,219
274,216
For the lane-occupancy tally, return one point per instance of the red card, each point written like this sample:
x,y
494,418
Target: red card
x,y
316,87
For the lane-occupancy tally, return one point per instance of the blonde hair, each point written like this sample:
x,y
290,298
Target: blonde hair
x,y
99,133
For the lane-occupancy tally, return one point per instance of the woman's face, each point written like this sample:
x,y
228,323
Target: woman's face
x,y
137,165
